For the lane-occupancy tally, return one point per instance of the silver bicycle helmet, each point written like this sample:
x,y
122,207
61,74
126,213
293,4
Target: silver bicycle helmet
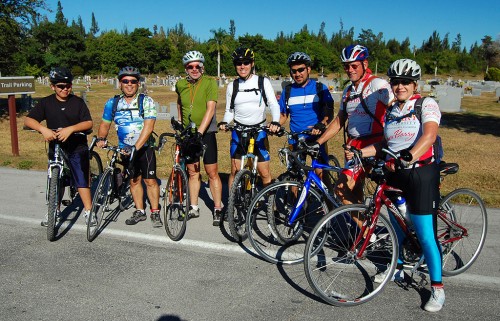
x,y
404,68
299,57
354,53
191,56
129,71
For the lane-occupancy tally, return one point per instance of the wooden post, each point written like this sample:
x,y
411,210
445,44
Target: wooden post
x,y
13,125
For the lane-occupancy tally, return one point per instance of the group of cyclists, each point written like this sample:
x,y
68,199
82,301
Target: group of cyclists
x,y
374,113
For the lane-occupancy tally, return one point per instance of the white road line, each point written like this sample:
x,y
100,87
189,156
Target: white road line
x,y
140,236
464,277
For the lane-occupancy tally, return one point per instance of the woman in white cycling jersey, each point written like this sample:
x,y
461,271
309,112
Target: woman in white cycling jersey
x,y
250,110
412,136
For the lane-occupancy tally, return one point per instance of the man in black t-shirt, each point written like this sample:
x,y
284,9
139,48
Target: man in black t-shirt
x,y
65,114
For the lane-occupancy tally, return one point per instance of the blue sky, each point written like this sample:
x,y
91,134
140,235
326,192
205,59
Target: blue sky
x,y
395,19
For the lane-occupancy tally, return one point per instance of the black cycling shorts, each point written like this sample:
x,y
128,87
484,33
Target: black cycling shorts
x,y
210,156
420,186
144,163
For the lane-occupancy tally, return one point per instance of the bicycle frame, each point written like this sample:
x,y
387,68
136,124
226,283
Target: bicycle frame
x,y
311,178
59,162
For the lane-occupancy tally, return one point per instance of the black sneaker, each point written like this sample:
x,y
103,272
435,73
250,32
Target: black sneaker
x,y
136,218
217,216
156,219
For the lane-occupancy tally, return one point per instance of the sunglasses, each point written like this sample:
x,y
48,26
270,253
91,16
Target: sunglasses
x,y
133,81
353,66
404,82
239,63
298,70
64,86
191,67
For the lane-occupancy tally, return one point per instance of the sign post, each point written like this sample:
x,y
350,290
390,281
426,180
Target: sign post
x,y
11,86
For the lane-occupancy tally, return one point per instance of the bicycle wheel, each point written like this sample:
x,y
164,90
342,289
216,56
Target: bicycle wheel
x,y
269,232
95,167
332,175
100,203
336,273
240,196
54,199
176,204
462,226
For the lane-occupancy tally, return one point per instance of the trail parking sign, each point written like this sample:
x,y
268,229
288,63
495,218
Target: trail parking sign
x,y
17,85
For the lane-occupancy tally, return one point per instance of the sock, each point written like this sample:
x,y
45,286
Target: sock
x,y
194,207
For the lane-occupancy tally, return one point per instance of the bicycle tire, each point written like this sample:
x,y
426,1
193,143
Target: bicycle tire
x,y
95,167
240,197
466,209
100,204
335,273
53,202
176,204
333,175
264,236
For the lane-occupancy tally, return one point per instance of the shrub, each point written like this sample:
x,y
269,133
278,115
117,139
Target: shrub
x,y
25,164
493,74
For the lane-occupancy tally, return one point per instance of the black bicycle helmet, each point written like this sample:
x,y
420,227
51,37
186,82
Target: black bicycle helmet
x,y
242,53
299,58
129,71
405,69
60,75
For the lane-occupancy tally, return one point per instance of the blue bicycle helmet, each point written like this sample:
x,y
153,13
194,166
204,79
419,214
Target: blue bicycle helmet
x,y
354,53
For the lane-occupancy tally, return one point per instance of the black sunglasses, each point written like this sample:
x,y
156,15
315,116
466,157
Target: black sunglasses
x,y
298,70
191,67
239,63
64,86
133,81
404,82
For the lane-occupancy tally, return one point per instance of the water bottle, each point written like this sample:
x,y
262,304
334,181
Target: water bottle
x,y
400,203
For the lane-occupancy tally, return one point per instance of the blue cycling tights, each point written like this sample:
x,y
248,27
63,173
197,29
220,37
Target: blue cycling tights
x,y
424,227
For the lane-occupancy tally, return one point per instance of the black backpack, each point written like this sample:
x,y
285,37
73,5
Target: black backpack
x,y
116,99
236,86
319,92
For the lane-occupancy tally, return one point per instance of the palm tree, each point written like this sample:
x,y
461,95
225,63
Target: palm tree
x,y
217,43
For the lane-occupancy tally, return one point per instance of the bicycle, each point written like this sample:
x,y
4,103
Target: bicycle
x,y
342,273
113,185
296,173
176,192
279,232
244,186
59,176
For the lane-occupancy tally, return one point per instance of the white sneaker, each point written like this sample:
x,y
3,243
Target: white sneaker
x,y
93,221
436,300
398,275
193,212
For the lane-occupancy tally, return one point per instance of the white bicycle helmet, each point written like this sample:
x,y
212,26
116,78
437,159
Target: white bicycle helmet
x,y
354,53
191,56
299,57
404,68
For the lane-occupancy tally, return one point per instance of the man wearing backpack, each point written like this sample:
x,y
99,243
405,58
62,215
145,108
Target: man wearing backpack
x,y
308,102
363,107
134,116
246,100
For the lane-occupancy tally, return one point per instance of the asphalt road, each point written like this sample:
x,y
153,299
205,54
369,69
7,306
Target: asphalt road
x,y
137,273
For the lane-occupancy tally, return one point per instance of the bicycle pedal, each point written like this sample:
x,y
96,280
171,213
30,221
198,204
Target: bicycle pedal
x,y
66,202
